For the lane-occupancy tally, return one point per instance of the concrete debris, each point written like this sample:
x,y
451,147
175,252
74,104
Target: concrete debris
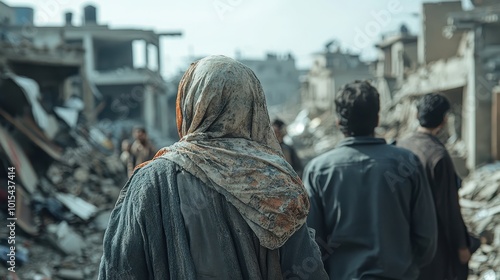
x,y
70,116
65,239
78,206
82,174
313,134
64,201
480,201
45,121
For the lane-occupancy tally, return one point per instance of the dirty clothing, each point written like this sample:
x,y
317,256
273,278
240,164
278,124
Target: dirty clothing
x,y
167,224
444,186
292,158
372,210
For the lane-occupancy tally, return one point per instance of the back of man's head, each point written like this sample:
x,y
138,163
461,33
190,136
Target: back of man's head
x,y
432,109
357,106
278,123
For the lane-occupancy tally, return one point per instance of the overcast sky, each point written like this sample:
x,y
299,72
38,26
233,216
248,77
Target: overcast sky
x,y
253,27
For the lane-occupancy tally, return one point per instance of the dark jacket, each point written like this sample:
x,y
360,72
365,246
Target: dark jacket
x,y
444,186
372,210
167,224
292,158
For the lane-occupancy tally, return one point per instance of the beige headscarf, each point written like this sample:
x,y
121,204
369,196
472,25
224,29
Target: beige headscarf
x,y
228,143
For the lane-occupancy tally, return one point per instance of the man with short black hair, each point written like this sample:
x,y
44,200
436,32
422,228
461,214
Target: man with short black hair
x,y
371,205
453,241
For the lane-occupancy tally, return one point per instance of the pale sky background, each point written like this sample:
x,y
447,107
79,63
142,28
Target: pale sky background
x,y
253,27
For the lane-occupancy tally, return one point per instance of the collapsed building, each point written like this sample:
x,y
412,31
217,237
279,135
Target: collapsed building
x,y
122,66
457,55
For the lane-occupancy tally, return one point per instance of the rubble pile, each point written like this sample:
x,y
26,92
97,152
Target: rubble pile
x,y
68,214
400,120
67,177
480,201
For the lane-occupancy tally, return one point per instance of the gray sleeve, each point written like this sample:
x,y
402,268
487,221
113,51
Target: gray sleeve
x,y
423,218
300,257
124,256
133,242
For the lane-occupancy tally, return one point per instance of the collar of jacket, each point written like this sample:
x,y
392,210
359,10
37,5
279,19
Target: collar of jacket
x,y
361,140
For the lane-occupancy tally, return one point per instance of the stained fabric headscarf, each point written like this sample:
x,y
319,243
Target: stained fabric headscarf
x,y
228,143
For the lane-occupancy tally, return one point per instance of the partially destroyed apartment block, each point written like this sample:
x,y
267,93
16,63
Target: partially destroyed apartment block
x,y
457,54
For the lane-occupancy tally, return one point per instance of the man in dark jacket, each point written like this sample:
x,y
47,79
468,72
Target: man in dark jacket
x,y
453,241
371,205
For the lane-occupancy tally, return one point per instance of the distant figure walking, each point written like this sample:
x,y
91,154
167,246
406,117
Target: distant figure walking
x,y
288,151
371,205
142,149
452,253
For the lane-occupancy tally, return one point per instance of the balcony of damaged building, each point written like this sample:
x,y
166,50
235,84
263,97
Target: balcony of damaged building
x,y
68,175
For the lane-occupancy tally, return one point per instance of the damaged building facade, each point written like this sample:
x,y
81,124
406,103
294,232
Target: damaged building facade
x,y
458,55
121,87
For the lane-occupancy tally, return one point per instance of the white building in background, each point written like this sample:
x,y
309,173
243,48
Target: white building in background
x,y
279,78
397,57
122,89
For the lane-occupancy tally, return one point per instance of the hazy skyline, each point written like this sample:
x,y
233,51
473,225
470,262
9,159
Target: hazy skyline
x,y
253,27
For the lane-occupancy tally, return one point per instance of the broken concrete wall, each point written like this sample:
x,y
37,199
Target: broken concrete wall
x,y
480,200
433,45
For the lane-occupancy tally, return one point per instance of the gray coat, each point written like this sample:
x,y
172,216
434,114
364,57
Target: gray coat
x,y
168,225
